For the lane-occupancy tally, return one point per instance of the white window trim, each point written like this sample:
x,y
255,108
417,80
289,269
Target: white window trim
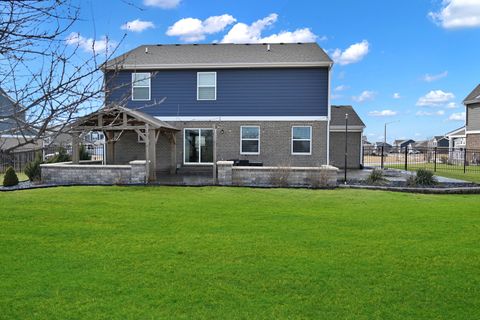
x,y
137,86
200,152
291,141
249,139
204,86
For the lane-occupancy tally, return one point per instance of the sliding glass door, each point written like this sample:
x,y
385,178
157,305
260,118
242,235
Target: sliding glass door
x,y
198,146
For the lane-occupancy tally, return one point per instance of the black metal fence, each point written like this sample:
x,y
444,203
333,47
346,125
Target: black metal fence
x,y
431,158
19,159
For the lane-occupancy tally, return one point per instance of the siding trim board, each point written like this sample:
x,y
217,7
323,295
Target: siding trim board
x,y
243,118
133,67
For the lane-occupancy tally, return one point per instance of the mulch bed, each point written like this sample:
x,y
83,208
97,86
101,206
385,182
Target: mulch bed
x,y
401,186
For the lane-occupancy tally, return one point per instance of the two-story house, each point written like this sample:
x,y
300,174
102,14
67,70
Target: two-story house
x,y
12,126
265,103
472,124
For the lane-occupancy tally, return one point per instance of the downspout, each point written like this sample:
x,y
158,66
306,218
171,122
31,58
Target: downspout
x,y
328,117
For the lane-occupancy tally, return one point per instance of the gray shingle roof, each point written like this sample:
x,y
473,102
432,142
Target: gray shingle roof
x,y
474,95
338,116
221,55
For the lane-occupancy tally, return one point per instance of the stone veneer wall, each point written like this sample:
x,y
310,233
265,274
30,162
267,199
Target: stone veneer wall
x,y
323,176
67,173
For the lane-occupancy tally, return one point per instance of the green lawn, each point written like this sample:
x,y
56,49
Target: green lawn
x,y
226,253
444,170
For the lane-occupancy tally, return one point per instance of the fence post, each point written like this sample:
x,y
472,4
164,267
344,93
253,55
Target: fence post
x,y
406,158
435,159
382,157
464,160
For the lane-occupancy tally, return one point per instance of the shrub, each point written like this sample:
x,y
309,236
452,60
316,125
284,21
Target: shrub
x,y
443,159
61,156
320,181
84,153
10,179
279,177
32,169
376,177
425,178
411,181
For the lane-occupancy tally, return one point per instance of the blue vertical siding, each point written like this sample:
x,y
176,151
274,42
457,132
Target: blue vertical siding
x,y
240,92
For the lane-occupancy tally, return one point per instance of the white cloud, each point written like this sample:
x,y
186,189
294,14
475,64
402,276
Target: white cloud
x,y
426,113
459,116
352,54
383,113
435,98
452,105
396,95
90,44
364,96
434,77
164,4
137,25
243,33
192,29
336,96
456,14
341,88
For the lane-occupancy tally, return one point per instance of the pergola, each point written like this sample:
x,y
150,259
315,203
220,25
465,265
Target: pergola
x,y
113,121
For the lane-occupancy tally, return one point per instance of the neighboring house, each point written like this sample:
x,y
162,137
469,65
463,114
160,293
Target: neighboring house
x,y
367,146
377,148
438,142
262,103
400,144
472,125
457,143
420,145
11,120
337,137
457,139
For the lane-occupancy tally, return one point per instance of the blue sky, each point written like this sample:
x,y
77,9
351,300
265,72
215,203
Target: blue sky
x,y
406,61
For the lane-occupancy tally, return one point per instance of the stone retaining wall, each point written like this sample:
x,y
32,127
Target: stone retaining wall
x,y
67,173
316,177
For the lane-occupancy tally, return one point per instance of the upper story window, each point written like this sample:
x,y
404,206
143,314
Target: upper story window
x,y
141,86
250,140
206,86
302,140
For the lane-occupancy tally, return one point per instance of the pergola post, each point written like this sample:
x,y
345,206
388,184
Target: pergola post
x,y
150,153
173,153
110,147
75,148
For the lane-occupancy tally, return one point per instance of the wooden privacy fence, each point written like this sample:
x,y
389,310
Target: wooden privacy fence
x,y
18,160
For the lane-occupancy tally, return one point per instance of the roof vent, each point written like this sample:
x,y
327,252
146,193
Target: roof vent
x,y
268,47
146,50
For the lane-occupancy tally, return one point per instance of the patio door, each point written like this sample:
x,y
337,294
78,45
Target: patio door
x,y
198,146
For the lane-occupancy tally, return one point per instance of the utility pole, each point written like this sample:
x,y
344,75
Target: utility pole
x,y
385,139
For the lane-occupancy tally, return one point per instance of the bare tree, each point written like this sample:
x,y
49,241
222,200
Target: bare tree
x,y
51,74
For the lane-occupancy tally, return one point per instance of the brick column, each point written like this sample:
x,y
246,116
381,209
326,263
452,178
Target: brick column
x,y
225,171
